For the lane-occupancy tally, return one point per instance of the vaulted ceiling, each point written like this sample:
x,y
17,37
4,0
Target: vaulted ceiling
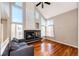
x,y
56,8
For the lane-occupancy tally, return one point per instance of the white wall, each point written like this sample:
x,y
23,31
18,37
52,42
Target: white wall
x,y
78,28
30,17
37,19
5,15
66,28
0,28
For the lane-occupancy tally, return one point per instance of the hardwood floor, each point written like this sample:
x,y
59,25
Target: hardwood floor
x,y
50,48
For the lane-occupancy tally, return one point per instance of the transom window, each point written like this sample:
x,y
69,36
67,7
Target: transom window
x,y
17,13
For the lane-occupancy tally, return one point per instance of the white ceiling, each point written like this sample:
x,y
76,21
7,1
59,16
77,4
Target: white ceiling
x,y
56,8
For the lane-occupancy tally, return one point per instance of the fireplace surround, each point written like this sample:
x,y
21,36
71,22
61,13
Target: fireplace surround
x,y
32,35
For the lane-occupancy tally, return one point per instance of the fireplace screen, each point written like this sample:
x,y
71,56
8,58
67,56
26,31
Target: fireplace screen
x,y
32,34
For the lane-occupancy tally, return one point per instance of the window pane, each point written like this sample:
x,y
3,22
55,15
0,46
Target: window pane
x,y
17,15
19,31
42,31
20,4
49,31
42,21
49,22
49,28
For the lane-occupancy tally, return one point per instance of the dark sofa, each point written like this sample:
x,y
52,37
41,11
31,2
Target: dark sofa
x,y
16,48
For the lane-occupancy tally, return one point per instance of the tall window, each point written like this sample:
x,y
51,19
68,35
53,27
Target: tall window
x,y
49,28
42,27
17,15
17,20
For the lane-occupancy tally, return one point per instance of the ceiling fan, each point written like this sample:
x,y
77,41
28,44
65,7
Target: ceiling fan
x,y
42,4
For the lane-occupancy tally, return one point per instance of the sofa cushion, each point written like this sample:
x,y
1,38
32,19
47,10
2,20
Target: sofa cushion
x,y
14,46
22,44
15,40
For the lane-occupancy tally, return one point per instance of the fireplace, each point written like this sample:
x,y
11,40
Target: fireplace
x,y
32,35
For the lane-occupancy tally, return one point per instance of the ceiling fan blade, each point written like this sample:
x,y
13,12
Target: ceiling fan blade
x,y
38,3
42,5
47,3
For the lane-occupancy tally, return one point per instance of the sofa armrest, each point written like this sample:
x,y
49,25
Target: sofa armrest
x,y
23,51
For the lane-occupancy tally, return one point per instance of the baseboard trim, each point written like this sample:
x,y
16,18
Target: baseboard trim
x,y
62,43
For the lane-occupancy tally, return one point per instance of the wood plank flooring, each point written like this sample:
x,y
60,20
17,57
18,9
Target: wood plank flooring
x,y
50,48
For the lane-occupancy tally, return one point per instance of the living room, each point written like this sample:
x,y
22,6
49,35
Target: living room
x,y
39,29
